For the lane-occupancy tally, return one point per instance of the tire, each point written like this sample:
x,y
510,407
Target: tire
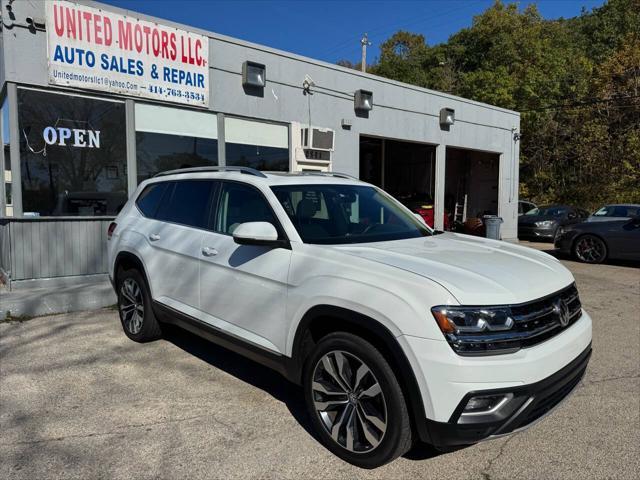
x,y
590,249
134,306
369,429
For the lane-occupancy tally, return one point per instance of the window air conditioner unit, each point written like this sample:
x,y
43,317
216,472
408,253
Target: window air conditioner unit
x,y
318,138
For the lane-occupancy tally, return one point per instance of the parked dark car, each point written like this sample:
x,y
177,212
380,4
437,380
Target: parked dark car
x,y
594,242
615,212
541,223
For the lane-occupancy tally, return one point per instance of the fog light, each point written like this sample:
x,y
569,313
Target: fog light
x,y
486,403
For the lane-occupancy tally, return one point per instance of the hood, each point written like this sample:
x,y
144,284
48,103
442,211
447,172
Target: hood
x,y
475,270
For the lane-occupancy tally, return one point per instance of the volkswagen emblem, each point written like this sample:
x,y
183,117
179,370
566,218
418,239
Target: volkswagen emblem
x,y
561,309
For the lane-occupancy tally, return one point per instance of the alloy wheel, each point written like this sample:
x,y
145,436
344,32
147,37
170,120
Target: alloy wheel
x,y
349,401
590,250
132,306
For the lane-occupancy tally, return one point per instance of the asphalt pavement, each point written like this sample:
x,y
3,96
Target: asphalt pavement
x,y
80,400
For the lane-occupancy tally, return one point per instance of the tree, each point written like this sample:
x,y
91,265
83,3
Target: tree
x,y
573,80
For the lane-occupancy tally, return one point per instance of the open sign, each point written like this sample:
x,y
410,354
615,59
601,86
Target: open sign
x,y
75,137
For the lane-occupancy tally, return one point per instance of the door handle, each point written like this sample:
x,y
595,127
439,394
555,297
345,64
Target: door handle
x,y
209,251
154,237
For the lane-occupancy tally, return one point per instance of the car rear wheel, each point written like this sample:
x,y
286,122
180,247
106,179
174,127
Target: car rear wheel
x,y
134,306
590,249
355,401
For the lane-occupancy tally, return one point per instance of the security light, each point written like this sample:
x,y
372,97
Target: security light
x,y
447,116
254,75
363,100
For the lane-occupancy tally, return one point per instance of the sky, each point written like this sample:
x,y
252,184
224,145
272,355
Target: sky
x,y
331,30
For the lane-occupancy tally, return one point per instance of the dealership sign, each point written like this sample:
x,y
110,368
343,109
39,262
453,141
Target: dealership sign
x,y
110,52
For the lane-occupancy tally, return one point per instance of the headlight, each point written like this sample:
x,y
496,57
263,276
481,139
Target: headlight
x,y
478,330
545,223
453,320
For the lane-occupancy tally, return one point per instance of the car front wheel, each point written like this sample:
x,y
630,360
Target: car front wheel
x,y
355,401
590,249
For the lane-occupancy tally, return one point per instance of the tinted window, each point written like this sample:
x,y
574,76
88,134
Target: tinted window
x,y
72,154
159,152
149,199
256,156
548,211
337,214
240,204
187,204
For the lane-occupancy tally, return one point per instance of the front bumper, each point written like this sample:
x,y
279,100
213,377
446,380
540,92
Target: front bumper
x,y
533,402
564,241
533,232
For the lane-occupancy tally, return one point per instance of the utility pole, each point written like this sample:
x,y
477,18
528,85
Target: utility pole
x,y
364,41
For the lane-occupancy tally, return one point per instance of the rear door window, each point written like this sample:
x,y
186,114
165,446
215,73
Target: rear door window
x,y
149,200
188,203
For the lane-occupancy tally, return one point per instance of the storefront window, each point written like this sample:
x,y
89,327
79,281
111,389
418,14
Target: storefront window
x,y
171,138
263,146
6,177
73,154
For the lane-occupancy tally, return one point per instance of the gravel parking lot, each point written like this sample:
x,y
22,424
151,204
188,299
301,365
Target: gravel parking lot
x,y
79,400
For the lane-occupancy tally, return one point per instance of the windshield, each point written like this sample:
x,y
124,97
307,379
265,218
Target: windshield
x,y
548,211
338,214
618,211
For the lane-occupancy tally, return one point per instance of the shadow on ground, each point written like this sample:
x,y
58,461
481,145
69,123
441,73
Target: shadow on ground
x,y
263,378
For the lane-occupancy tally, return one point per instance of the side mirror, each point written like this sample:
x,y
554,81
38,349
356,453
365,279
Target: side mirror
x,y
256,233
572,216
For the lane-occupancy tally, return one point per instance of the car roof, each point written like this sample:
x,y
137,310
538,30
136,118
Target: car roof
x,y
621,205
256,177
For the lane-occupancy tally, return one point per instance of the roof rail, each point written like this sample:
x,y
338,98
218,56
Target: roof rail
x,y
247,170
329,174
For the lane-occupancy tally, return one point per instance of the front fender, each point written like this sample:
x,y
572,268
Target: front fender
x,y
400,315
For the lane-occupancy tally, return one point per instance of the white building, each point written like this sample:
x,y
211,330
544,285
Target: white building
x,y
95,99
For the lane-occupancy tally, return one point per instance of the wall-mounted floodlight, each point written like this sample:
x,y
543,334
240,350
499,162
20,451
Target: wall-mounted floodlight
x,y
363,100
447,116
254,75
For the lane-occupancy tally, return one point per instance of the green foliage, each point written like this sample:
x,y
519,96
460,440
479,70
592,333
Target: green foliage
x,y
576,82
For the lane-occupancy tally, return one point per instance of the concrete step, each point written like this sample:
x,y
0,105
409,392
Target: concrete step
x,y
45,297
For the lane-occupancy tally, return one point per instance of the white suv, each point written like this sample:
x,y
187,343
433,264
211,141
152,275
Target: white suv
x,y
395,331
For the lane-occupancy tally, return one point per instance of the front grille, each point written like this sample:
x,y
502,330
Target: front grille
x,y
535,322
539,319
